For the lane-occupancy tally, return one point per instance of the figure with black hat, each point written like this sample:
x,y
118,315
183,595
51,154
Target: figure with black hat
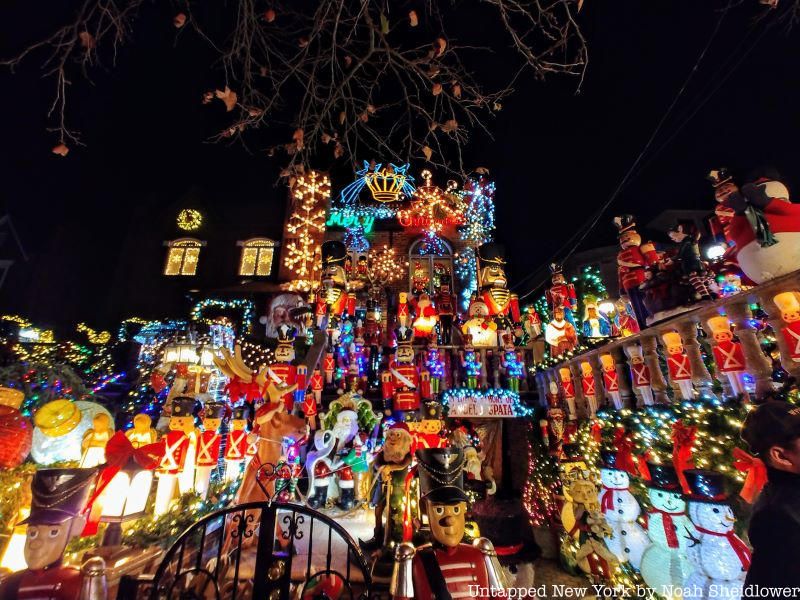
x,y
178,462
59,499
208,444
445,568
665,563
236,443
283,372
561,294
633,259
334,283
687,257
721,556
493,284
401,384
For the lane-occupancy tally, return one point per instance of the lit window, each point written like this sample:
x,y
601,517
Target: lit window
x,y
182,257
256,257
427,272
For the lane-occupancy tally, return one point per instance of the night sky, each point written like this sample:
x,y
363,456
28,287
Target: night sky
x,y
556,155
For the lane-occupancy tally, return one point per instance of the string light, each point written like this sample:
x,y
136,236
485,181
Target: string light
x,y
485,400
307,224
189,219
246,307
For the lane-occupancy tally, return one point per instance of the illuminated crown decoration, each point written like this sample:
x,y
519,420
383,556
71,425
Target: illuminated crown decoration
x,y
386,184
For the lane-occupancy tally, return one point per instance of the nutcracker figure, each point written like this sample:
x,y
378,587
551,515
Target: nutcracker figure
x,y
633,260
177,464
728,354
531,324
59,499
446,305
142,432
446,568
401,383
471,362
512,363
320,310
373,336
284,372
329,367
435,367
680,370
208,443
493,284
588,386
568,387
552,426
403,310
611,379
560,334
562,294
425,319
788,304
236,443
626,322
313,399
640,374
334,283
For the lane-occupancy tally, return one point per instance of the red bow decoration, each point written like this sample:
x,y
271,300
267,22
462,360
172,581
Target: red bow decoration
x,y
182,370
756,474
119,452
236,389
641,463
682,441
157,382
597,430
624,446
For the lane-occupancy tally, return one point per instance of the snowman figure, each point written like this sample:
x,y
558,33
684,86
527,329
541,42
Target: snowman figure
x,y
665,563
721,558
621,509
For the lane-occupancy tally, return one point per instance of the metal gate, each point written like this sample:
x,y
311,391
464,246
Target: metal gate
x,y
264,551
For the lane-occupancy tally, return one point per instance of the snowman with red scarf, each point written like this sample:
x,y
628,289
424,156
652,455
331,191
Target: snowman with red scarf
x,y
721,558
621,509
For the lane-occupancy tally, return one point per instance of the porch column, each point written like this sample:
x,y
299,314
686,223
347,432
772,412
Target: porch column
x,y
649,344
758,365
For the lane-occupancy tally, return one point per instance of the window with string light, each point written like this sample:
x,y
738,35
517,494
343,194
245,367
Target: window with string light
x,y
430,265
182,257
257,255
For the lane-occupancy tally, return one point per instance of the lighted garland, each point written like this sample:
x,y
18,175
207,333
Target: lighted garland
x,y
457,394
466,271
246,307
189,219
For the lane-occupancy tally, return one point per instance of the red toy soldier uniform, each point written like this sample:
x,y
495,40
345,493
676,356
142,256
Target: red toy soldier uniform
x,y
502,304
208,443
680,371
640,374
588,386
611,379
329,367
568,387
728,354
283,372
561,294
403,310
334,282
236,443
632,262
401,384
445,568
789,306
59,499
176,448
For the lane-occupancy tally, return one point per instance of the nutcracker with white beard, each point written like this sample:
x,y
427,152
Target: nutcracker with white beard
x,y
721,558
503,305
59,498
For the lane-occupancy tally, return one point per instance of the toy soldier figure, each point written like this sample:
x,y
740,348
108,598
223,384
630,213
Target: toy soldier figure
x,y
445,304
329,367
177,464
236,444
728,354
588,387
283,372
680,369
334,283
633,260
562,294
789,306
445,568
208,443
568,387
502,304
611,379
401,383
57,515
640,374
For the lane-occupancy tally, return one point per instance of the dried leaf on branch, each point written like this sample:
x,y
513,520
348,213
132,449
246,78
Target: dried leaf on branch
x,y
60,149
412,18
179,20
229,97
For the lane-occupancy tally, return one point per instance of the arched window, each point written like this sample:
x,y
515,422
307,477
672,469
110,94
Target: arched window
x,y
257,257
428,272
182,256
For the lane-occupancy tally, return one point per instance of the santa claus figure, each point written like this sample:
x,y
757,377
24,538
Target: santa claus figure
x,y
208,443
236,443
626,324
611,379
788,304
640,374
447,568
728,354
560,334
426,318
493,283
680,370
59,499
588,386
763,224
568,387
446,305
633,260
178,462
400,385
561,294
